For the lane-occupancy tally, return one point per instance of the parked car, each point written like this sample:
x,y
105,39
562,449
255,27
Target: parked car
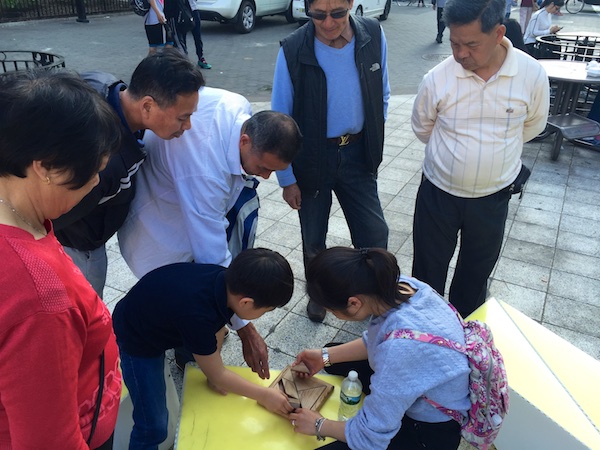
x,y
244,14
367,8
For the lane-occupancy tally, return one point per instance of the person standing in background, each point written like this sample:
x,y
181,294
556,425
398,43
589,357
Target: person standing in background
x,y
331,76
197,34
438,6
473,111
528,7
154,24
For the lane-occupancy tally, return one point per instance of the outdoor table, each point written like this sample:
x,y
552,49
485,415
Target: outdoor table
x,y
570,77
210,420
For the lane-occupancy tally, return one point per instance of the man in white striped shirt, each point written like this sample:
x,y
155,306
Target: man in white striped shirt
x,y
474,111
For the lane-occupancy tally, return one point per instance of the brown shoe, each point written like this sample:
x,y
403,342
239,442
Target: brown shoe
x,y
315,312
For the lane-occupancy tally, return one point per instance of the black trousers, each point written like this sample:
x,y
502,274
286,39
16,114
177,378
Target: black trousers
x,y
441,25
438,221
413,434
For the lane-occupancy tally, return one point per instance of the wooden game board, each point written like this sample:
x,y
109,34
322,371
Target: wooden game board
x,y
308,393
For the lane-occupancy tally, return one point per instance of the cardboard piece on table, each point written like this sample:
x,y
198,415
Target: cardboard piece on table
x,y
308,393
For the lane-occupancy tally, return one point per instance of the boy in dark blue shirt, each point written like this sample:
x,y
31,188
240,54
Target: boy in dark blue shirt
x,y
186,304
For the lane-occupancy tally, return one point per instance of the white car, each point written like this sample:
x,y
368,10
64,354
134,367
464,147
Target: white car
x,y
367,8
243,14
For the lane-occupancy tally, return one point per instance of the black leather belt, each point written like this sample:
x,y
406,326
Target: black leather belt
x,y
346,139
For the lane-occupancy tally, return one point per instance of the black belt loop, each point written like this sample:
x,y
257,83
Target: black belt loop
x,y
345,139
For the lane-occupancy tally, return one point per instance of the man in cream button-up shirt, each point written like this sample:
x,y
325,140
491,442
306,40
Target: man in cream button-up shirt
x,y
474,111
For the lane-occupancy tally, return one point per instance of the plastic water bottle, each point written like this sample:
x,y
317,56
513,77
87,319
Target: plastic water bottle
x,y
350,396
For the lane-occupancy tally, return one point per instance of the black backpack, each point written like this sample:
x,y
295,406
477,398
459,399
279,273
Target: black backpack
x,y
140,7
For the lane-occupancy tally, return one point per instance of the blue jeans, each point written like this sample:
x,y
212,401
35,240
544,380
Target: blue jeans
x,y
145,380
93,264
347,175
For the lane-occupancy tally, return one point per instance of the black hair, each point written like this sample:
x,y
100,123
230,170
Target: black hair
x,y
462,12
515,34
274,132
163,76
57,118
559,3
307,4
338,273
263,275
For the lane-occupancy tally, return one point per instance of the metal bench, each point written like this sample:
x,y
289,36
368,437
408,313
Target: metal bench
x,y
571,126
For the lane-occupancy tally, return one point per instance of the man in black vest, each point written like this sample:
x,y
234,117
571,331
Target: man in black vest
x,y
331,76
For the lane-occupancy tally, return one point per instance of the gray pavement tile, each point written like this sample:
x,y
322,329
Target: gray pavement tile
x,y
573,315
295,333
577,209
529,301
538,217
397,240
582,196
537,234
273,209
578,264
545,188
529,252
579,225
542,202
587,170
575,287
589,184
522,274
283,234
578,243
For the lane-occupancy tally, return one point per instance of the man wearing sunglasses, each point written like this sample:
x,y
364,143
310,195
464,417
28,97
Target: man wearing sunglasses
x,y
331,76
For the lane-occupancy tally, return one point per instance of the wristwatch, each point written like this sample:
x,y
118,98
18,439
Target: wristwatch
x,y
325,356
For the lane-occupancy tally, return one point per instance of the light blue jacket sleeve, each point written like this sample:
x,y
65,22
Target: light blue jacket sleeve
x,y
386,80
282,100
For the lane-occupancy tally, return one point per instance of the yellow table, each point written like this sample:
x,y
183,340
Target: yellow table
x,y
211,421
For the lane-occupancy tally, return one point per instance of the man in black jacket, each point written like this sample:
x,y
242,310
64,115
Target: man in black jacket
x,y
331,77
162,96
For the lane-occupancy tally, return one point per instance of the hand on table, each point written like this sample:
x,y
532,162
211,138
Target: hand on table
x,y
303,420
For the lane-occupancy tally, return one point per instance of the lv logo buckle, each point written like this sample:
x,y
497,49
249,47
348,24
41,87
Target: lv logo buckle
x,y
344,140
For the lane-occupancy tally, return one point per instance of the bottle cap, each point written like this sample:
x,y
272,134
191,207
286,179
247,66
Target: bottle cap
x,y
353,375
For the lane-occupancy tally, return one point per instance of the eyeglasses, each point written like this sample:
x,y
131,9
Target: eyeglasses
x,y
323,15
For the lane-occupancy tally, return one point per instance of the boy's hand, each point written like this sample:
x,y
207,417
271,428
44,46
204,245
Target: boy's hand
x,y
275,401
255,351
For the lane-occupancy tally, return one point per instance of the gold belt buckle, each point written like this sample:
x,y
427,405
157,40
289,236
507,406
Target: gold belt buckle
x,y
344,140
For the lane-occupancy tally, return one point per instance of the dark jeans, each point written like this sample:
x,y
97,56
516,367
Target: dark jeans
x,y
347,175
441,25
196,33
439,217
413,434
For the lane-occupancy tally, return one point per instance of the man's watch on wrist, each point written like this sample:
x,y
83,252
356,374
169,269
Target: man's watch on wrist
x,y
325,356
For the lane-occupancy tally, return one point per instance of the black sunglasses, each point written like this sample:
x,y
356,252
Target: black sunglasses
x,y
323,15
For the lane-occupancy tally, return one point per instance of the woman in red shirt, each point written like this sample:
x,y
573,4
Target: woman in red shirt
x,y
59,379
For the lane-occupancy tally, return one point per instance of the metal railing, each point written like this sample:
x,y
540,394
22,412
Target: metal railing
x,y
17,10
17,60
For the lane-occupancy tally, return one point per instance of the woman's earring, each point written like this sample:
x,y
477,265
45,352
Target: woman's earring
x,y
48,180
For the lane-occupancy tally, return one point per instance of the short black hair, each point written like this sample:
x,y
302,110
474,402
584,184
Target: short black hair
x,y
57,118
559,3
462,12
163,76
263,275
274,132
